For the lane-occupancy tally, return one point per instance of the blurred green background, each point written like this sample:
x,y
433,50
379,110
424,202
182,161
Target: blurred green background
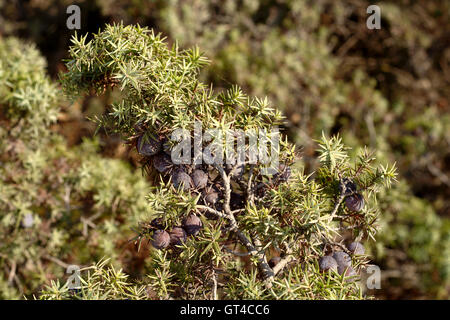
x,y
317,61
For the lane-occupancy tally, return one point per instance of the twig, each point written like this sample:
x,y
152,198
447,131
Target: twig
x,y
13,276
57,261
12,272
226,182
250,193
439,174
66,198
333,243
282,263
336,206
88,222
213,211
371,128
262,263
214,291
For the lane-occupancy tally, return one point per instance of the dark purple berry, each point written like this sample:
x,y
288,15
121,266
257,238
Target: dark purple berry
x,y
160,239
162,162
181,179
274,261
356,248
341,269
348,272
342,259
192,224
327,263
199,179
148,146
211,197
177,236
354,202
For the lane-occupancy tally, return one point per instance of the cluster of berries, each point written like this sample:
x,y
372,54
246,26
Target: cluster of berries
x,y
189,178
177,235
341,262
200,179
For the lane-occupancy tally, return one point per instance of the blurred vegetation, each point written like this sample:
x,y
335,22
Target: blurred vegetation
x,y
316,61
56,203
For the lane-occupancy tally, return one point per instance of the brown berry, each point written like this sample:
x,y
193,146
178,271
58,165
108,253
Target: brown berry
x,y
348,272
211,197
181,179
177,236
199,179
356,248
192,224
148,146
162,162
160,239
343,260
327,263
354,202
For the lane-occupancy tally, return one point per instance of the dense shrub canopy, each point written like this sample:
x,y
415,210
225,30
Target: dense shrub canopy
x,y
298,219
